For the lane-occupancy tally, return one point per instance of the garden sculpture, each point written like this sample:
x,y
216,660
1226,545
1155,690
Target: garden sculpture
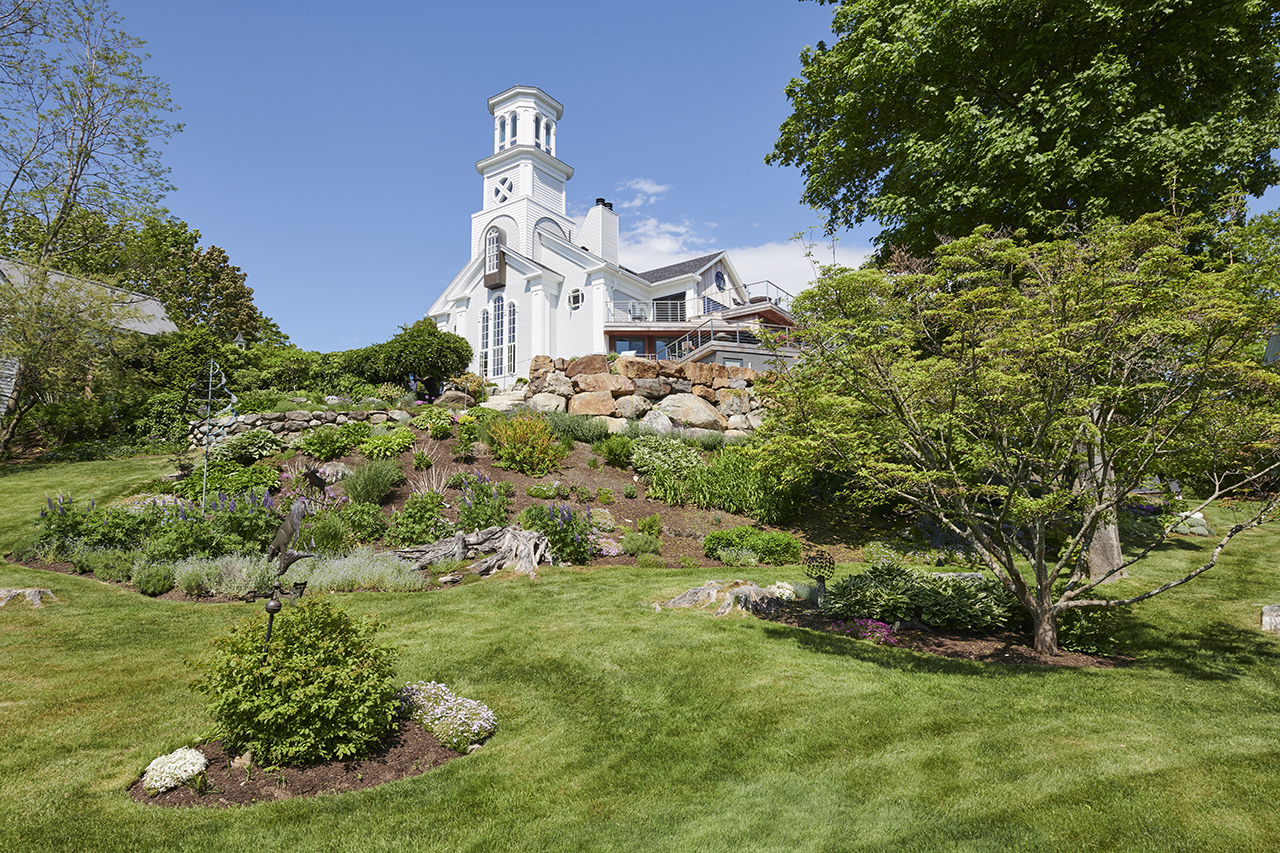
x,y
285,536
818,566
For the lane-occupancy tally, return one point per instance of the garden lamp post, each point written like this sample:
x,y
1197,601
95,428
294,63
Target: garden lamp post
x,y
275,605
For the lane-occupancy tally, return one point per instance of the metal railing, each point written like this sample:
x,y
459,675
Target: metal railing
x,y
709,304
713,331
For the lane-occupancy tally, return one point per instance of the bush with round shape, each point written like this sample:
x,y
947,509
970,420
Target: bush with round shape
x,y
388,445
420,522
325,443
365,521
247,447
325,692
773,548
526,444
228,477
154,578
636,544
616,450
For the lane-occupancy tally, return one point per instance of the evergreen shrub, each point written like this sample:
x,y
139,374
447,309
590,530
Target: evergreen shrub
x,y
325,692
773,548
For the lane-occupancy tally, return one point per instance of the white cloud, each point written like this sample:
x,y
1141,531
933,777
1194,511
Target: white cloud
x,y
647,192
651,243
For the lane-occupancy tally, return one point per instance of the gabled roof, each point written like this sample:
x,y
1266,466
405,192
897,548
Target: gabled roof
x,y
151,319
689,267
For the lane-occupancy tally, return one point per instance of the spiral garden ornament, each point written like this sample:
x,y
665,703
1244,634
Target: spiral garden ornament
x,y
213,401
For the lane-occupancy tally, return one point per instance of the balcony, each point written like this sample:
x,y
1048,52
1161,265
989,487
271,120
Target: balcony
x,y
711,304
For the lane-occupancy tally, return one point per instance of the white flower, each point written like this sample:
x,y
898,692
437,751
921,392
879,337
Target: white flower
x,y
783,590
170,771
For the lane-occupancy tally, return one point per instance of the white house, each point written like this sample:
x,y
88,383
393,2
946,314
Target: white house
x,y
536,285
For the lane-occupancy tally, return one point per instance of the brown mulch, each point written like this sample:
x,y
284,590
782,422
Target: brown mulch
x,y
409,751
1007,647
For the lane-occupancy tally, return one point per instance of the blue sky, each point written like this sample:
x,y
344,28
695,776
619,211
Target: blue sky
x,y
330,148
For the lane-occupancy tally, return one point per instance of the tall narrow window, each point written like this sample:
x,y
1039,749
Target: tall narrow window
x,y
484,342
492,239
511,337
499,343
515,138
502,133
537,131
546,132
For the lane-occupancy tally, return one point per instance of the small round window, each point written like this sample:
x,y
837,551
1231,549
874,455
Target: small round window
x,y
575,299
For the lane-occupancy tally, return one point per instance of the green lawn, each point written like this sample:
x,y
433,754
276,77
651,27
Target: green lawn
x,y
625,729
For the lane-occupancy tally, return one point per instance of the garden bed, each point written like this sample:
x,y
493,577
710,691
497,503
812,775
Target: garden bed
x,y
410,750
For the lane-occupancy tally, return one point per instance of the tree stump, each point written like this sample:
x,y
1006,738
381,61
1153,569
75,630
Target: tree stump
x,y
34,595
510,547
745,595
1271,618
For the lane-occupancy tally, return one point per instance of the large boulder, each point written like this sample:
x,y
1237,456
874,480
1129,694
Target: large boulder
x,y
540,366
455,400
656,421
614,425
618,386
705,393
731,401
746,374
597,363
592,403
637,368
547,403
556,382
633,406
654,389
670,369
693,411
704,373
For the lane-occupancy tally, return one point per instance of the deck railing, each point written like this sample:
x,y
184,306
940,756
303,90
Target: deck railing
x,y
710,304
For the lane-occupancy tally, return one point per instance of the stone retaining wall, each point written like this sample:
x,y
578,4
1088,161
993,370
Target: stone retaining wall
x,y
289,423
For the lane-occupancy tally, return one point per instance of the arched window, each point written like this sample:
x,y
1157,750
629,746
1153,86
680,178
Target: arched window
x,y
492,240
546,132
515,138
511,337
537,131
502,133
484,342
719,280
499,342
575,299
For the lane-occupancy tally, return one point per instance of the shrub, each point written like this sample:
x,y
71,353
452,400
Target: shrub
x,y
420,522
629,490
616,450
326,533
233,575
228,477
650,561
325,443
604,496
593,463
526,444
650,453
325,692
571,534
888,592
388,445
636,544
108,565
154,578
247,447
484,504
772,548
370,482
364,521
422,460
433,416
584,428
651,525
362,569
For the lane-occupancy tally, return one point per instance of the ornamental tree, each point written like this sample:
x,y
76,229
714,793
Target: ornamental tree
x,y
933,117
1021,392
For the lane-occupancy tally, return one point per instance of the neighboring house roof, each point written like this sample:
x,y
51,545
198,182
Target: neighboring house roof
x,y
152,319
689,267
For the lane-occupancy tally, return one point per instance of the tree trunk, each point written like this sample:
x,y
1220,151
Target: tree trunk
x,y
1045,627
1102,548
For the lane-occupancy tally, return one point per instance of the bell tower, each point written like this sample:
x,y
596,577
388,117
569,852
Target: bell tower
x,y
524,181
